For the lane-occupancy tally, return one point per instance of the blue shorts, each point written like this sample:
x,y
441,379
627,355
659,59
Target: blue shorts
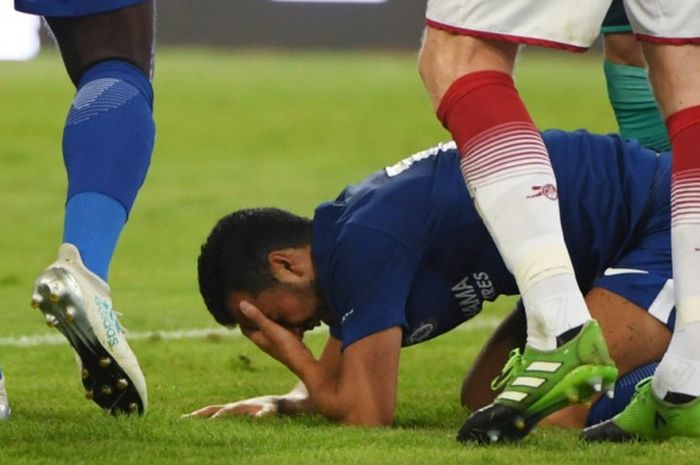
x,y
69,8
642,273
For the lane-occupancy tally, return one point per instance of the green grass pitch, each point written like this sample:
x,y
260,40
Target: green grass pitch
x,y
238,130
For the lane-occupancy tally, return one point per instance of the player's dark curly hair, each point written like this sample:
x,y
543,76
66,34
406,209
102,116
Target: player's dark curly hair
x,y
234,256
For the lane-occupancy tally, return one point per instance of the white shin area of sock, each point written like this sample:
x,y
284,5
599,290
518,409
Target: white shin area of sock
x,y
553,306
522,216
679,370
685,246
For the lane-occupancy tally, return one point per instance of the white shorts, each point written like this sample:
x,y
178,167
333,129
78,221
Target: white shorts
x,y
567,24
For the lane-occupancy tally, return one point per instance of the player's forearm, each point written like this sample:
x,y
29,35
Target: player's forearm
x,y
355,387
346,398
336,400
323,390
320,381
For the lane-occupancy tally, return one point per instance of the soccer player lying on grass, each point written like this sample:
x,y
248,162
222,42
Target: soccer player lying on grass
x,y
401,258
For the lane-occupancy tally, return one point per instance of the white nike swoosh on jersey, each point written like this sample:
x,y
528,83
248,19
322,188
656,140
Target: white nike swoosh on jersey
x,y
615,271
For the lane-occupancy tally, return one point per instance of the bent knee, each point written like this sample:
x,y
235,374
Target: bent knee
x,y
126,34
444,57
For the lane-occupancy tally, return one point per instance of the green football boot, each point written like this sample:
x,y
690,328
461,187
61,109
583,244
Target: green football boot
x,y
537,383
648,418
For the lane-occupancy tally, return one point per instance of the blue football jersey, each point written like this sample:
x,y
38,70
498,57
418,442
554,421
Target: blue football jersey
x,y
406,247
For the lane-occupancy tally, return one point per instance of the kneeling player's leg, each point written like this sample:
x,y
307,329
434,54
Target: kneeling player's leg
x,y
635,338
510,334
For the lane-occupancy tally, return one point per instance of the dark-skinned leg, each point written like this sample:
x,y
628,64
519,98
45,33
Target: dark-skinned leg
x,y
126,34
476,387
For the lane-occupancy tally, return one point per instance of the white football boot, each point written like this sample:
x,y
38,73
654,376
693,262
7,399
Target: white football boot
x,y
77,302
5,410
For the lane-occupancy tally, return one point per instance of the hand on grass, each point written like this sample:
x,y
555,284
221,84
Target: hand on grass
x,y
255,407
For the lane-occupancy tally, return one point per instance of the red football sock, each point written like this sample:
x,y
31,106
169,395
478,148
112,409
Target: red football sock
x,y
492,128
684,131
488,98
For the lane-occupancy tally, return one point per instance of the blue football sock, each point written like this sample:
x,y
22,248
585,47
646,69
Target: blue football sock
x,y
94,223
606,408
107,145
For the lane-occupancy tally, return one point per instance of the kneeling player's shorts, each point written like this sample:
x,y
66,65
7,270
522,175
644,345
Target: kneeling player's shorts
x,y
70,8
642,273
567,24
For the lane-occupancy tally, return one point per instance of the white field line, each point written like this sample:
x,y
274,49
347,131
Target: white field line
x,y
36,340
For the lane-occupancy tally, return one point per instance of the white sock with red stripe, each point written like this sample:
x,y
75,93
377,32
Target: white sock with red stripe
x,y
679,370
509,175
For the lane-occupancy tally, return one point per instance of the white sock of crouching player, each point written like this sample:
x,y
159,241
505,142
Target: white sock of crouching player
x,y
678,376
509,175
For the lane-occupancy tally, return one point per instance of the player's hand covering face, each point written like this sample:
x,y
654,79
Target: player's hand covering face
x,y
280,343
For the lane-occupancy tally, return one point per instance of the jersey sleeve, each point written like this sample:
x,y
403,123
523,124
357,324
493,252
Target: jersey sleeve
x,y
370,280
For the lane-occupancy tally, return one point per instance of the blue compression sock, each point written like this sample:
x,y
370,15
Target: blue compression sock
x,y
107,145
606,408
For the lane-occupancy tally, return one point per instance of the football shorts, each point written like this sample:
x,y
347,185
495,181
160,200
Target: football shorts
x,y
70,8
642,273
566,24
